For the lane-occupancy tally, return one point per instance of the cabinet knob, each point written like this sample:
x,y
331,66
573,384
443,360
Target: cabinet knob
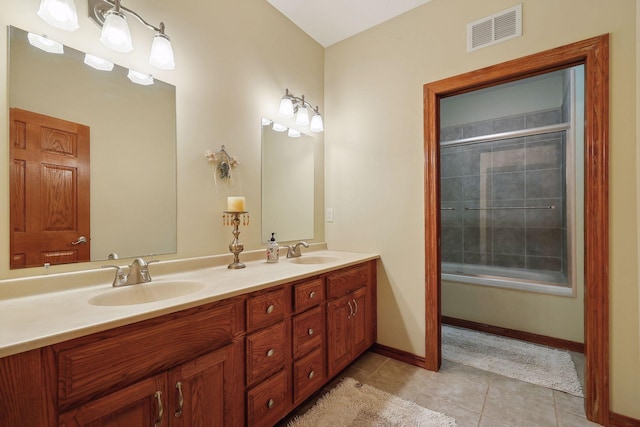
x,y
311,374
270,308
271,352
312,294
310,331
271,404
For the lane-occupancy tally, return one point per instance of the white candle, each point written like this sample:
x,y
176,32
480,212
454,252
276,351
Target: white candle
x,y
235,204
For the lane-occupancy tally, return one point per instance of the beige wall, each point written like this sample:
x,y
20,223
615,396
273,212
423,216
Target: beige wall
x,y
234,61
373,85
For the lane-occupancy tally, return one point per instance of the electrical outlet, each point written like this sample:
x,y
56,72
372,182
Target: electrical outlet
x,y
329,214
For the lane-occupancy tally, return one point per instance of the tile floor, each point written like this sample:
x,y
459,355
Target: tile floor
x,y
473,397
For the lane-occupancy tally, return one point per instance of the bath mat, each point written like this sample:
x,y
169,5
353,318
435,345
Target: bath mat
x,y
516,359
352,404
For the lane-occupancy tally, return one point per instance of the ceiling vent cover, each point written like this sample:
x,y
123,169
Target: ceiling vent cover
x,y
494,29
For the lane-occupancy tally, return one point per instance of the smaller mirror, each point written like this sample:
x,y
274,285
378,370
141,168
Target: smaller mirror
x,y
287,185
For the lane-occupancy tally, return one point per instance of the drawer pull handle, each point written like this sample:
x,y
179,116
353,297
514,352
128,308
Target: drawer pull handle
x,y
158,397
312,294
312,374
271,353
270,309
271,404
310,331
180,400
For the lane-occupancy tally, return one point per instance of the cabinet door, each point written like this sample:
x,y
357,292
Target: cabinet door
x,y
339,313
360,331
201,391
141,404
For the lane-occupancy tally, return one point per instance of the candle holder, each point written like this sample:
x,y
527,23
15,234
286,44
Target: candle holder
x,y
233,218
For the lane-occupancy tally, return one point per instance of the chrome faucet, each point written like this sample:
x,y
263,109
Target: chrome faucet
x,y
293,251
138,273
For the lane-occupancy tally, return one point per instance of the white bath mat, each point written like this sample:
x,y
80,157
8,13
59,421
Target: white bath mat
x,y
520,360
352,404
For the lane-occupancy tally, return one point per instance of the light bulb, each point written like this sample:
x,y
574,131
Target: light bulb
x,y
98,63
162,52
302,118
294,133
316,123
115,32
59,13
45,44
140,78
278,127
286,107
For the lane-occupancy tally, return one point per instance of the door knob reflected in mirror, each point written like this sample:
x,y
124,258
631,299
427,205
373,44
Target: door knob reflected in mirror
x,y
81,241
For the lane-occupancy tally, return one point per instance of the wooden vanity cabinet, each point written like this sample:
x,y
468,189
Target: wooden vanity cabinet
x,y
182,369
351,315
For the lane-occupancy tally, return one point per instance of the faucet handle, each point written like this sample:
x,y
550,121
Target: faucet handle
x,y
120,278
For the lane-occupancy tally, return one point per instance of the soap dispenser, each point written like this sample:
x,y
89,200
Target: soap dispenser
x,y
272,249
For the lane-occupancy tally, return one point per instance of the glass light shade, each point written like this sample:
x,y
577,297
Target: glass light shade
x,y
45,44
59,13
278,127
115,32
266,122
162,53
286,108
140,78
98,63
316,123
302,118
294,133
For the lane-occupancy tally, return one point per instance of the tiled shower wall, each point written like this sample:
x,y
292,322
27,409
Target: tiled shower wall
x,y
519,172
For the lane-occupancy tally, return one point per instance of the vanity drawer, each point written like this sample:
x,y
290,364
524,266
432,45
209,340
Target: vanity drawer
x,y
92,366
267,402
308,375
347,281
265,352
307,331
308,294
265,309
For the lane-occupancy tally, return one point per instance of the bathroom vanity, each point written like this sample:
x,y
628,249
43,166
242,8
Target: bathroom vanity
x,y
219,357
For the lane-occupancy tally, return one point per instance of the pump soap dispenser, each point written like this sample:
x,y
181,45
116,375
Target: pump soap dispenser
x,y
272,249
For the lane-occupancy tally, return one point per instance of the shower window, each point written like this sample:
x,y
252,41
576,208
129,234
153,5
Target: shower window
x,y
508,184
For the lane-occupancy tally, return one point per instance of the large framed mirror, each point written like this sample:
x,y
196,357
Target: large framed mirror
x,y
288,172
129,181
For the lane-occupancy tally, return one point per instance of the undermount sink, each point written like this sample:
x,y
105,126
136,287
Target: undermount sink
x,y
146,292
318,259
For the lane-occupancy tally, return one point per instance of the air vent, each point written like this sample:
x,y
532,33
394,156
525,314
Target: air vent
x,y
494,29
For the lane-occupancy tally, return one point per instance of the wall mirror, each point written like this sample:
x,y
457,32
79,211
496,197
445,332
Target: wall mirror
x,y
131,175
287,185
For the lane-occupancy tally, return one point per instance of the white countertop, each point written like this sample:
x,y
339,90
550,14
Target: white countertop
x,y
37,320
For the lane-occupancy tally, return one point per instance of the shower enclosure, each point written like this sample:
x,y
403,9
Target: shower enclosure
x,y
509,184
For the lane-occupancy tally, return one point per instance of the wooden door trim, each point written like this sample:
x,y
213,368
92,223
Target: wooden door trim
x,y
594,54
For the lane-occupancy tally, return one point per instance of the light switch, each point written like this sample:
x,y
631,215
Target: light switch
x,y
329,214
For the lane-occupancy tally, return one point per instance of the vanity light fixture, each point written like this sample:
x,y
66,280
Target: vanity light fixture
x,y
98,63
48,45
115,32
60,14
291,105
140,78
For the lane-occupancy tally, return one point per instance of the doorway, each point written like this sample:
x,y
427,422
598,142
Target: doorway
x,y
593,54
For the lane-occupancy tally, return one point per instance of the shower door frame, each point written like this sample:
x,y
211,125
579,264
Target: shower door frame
x,y
594,54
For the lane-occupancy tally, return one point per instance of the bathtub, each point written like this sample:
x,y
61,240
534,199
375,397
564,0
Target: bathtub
x,y
549,282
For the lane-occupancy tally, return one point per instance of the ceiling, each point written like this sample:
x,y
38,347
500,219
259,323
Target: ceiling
x,y
330,21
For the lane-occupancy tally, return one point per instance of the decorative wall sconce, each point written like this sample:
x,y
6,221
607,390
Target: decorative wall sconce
x,y
115,34
222,161
291,105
